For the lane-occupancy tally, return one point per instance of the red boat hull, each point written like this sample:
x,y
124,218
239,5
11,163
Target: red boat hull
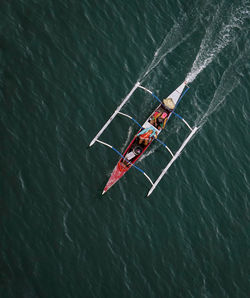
x,y
138,145
117,174
121,168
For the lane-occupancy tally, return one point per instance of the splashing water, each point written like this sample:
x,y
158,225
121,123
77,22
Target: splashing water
x,y
127,139
176,36
149,152
213,42
227,84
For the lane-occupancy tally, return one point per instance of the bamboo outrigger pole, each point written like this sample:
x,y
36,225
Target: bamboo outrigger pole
x,y
114,114
172,160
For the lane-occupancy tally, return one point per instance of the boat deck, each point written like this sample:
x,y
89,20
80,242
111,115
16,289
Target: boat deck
x,y
136,145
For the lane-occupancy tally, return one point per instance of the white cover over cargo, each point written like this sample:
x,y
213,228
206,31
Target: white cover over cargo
x,y
175,95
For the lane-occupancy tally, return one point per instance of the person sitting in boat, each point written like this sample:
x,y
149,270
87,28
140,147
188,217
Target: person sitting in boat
x,y
153,120
161,121
147,134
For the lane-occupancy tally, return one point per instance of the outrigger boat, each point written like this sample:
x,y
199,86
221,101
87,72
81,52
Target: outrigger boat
x,y
137,147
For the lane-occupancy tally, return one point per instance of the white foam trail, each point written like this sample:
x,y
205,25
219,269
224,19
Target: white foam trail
x,y
127,139
172,40
66,231
224,89
214,42
227,84
149,152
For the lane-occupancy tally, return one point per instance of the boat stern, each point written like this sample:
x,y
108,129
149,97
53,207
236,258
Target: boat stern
x,y
117,174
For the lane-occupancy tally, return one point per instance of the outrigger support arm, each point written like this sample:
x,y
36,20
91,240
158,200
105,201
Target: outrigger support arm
x,y
130,118
141,127
172,160
183,120
151,93
165,147
115,113
140,170
137,85
119,108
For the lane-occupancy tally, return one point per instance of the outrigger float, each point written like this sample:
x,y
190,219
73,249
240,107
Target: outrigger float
x,y
136,148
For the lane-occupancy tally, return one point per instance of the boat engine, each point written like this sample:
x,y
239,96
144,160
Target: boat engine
x,y
137,150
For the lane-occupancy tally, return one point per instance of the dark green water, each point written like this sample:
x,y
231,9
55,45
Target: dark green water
x,y
64,68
